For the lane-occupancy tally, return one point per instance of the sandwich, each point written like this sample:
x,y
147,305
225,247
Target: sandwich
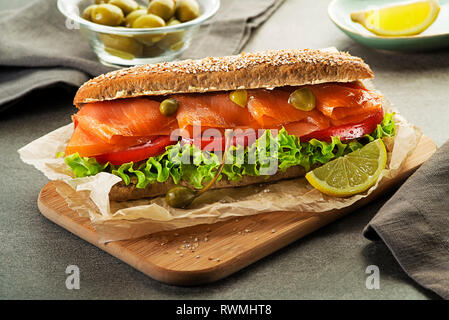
x,y
165,125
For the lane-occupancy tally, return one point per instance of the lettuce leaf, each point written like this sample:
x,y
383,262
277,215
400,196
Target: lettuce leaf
x,y
188,163
84,166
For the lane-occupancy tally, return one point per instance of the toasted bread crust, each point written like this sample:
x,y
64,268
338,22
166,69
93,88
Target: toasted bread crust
x,y
267,69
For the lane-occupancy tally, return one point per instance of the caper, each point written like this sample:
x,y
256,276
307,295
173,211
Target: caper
x,y
180,197
131,17
126,5
302,99
168,107
88,11
239,97
187,10
162,8
107,14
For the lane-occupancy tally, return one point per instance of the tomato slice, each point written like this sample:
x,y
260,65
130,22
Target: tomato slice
x,y
345,132
157,146
348,131
137,153
219,143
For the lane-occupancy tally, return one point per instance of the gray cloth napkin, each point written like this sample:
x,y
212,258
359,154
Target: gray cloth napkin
x,y
38,50
414,224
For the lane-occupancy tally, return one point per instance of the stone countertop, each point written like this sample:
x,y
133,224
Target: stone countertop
x,y
328,264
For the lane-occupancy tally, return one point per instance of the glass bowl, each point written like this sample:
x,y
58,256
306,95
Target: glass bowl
x,y
124,47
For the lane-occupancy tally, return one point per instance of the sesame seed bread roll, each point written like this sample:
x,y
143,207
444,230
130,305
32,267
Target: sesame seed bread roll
x,y
268,69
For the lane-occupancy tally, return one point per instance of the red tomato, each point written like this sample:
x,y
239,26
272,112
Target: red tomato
x,y
157,145
219,143
348,131
345,132
137,153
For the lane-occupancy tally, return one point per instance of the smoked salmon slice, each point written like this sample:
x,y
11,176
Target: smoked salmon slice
x,y
338,101
212,110
88,144
124,117
270,108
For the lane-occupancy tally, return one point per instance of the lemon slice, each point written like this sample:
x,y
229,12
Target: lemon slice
x,y
351,174
404,19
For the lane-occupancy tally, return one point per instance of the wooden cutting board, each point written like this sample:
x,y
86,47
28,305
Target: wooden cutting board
x,y
206,253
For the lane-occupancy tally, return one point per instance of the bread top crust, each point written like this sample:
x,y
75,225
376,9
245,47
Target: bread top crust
x,y
268,69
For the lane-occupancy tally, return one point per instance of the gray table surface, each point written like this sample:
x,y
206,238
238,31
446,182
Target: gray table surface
x,y
328,264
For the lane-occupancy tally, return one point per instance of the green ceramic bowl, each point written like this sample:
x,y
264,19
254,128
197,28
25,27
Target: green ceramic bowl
x,y
435,37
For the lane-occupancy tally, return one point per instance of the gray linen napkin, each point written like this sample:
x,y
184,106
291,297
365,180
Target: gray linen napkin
x,y
414,224
38,50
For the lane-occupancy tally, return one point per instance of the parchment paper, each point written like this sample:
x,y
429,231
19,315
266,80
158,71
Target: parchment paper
x,y
112,220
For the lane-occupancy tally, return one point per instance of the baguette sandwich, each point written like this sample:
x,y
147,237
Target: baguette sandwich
x,y
307,106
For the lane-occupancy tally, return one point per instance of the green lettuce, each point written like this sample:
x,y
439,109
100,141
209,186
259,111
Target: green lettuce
x,y
188,163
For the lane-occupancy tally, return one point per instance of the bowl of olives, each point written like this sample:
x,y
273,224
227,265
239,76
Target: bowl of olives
x,y
124,33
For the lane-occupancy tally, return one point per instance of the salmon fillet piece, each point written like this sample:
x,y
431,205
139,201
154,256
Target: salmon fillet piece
x,y
124,117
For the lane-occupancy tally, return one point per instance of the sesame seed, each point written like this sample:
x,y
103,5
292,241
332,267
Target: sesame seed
x,y
273,230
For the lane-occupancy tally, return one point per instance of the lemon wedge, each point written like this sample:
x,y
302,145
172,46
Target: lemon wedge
x,y
352,173
404,19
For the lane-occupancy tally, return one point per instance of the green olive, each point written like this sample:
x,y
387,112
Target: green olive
x,y
152,50
173,38
88,11
180,197
122,43
168,107
162,8
177,46
107,14
187,10
239,97
302,99
173,21
148,21
126,5
119,53
131,17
